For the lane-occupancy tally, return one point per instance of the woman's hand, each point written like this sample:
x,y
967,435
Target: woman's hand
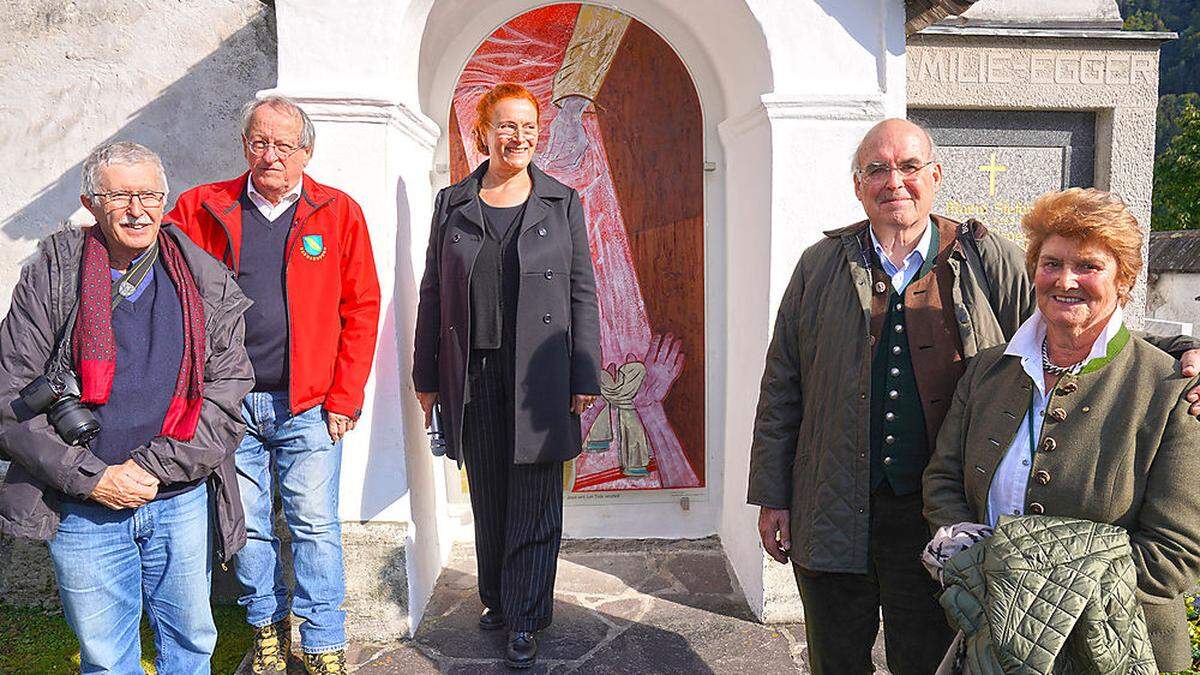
x,y
427,400
581,402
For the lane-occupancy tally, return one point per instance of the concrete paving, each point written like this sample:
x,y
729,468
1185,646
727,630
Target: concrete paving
x,y
620,607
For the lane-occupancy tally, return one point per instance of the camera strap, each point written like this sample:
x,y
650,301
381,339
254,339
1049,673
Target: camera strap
x,y
128,284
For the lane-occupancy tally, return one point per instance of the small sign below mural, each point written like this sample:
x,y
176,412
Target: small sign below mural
x,y
996,185
620,123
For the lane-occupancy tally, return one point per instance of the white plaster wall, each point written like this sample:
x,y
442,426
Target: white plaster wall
x,y
166,74
1171,296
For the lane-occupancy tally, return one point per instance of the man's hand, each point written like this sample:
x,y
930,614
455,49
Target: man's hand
x,y
427,400
581,402
125,486
338,425
773,529
1190,361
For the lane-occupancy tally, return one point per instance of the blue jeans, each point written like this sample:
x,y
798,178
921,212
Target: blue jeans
x,y
108,562
298,451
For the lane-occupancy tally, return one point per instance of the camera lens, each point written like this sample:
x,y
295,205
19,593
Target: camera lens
x,y
73,421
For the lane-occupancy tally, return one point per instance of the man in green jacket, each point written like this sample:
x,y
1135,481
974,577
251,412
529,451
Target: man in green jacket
x,y
869,342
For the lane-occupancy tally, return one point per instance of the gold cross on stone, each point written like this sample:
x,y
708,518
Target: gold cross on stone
x,y
992,168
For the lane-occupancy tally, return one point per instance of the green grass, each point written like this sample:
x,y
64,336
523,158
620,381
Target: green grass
x,y
34,641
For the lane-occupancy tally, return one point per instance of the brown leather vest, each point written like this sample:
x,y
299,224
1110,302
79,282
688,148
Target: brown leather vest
x,y
934,343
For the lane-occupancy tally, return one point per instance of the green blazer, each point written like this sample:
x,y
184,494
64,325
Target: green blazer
x,y
1117,447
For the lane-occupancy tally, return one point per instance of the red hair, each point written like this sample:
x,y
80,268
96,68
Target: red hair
x,y
487,105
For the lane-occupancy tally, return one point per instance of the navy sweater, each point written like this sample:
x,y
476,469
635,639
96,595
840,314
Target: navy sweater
x,y
261,276
148,330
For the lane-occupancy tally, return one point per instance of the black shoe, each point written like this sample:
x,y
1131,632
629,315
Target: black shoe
x,y
522,650
491,619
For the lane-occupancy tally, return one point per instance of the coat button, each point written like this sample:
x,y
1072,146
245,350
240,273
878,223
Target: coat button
x,y
451,328
896,349
541,231
899,307
455,238
871,340
546,318
889,416
1037,509
894,372
1068,388
898,328
880,287
887,460
549,274
1042,476
1058,414
893,394
1049,445
889,439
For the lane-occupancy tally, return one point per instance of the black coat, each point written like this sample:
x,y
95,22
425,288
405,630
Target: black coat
x,y
557,349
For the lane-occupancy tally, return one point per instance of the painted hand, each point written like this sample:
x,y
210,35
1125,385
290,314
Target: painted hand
x,y
664,363
568,142
774,530
339,425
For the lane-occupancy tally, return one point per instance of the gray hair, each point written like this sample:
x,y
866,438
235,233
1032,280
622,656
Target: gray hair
x,y
308,134
123,153
933,149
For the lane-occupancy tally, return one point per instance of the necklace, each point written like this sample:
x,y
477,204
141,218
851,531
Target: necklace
x,y
1049,366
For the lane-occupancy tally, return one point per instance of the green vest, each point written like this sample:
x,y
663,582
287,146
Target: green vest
x,y
900,448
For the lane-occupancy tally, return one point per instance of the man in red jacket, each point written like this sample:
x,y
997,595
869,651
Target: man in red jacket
x,y
300,250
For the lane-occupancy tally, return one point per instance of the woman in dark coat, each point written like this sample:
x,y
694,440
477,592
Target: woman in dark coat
x,y
507,343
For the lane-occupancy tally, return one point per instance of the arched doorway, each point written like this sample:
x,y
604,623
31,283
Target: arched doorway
x,y
621,123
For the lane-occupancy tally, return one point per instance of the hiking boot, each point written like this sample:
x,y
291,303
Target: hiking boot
x,y
272,644
326,663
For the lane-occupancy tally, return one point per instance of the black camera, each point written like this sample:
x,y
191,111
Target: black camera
x,y
59,399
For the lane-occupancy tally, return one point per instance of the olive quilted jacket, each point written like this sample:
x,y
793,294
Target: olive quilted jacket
x,y
1048,594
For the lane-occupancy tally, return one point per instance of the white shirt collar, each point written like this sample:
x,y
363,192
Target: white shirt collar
x,y
1026,343
920,251
272,211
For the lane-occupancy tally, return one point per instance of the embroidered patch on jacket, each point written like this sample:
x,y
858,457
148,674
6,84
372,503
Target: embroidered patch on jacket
x,y
312,246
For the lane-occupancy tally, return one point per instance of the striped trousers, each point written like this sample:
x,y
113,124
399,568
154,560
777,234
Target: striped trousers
x,y
517,507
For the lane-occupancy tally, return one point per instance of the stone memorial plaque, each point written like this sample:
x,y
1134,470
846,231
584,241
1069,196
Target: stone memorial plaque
x,y
996,163
997,185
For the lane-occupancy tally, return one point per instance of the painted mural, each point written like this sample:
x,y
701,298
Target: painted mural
x,y
620,123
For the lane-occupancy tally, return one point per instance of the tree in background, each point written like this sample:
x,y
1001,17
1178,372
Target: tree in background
x,y
1177,177
1177,135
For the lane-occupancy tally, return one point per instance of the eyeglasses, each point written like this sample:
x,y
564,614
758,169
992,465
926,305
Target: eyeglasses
x,y
878,171
120,200
259,148
510,130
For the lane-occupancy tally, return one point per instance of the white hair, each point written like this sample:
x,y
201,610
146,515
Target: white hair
x,y
123,153
308,132
933,149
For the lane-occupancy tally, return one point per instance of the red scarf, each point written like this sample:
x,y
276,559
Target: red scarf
x,y
94,348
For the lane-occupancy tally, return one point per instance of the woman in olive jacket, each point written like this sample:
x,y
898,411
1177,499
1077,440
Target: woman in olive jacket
x,y
1076,417
508,344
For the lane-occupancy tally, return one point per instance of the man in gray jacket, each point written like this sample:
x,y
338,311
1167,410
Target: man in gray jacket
x,y
869,343
122,371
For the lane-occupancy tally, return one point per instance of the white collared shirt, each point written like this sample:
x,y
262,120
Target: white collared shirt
x,y
1006,496
912,264
272,211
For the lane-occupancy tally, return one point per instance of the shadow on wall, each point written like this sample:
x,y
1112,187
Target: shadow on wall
x,y
192,124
